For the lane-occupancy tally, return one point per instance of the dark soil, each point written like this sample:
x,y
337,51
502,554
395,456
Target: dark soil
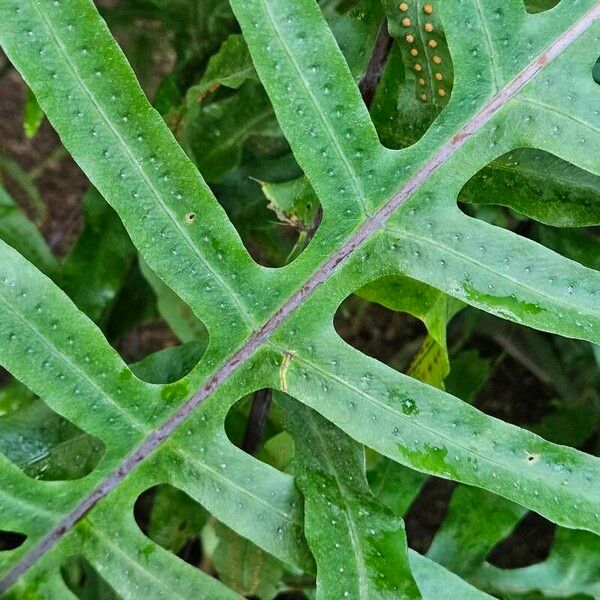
x,y
61,183
388,336
145,339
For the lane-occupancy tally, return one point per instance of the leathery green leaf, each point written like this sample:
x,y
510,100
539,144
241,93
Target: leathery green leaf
x,y
359,545
386,212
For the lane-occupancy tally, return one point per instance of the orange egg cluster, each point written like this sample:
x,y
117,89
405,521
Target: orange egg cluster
x,y
430,41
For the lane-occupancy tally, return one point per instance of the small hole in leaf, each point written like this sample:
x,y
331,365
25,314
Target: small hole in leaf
x,y
543,198
259,154
254,424
247,421
376,322
190,217
596,71
10,540
179,524
84,581
535,184
42,443
173,520
158,350
529,544
420,72
287,217
427,512
170,364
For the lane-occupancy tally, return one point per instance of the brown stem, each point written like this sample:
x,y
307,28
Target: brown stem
x,y
257,420
51,160
370,81
310,233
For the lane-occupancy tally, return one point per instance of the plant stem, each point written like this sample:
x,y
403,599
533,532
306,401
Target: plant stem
x,y
256,421
370,81
52,159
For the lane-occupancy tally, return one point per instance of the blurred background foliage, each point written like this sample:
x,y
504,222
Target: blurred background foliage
x,y
194,65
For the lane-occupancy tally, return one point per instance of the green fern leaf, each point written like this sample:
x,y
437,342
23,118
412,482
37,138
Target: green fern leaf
x,y
386,212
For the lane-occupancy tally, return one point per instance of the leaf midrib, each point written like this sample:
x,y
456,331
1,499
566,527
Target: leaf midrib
x,y
358,551
140,169
553,109
105,540
484,267
373,224
217,475
488,42
74,367
356,182
434,433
